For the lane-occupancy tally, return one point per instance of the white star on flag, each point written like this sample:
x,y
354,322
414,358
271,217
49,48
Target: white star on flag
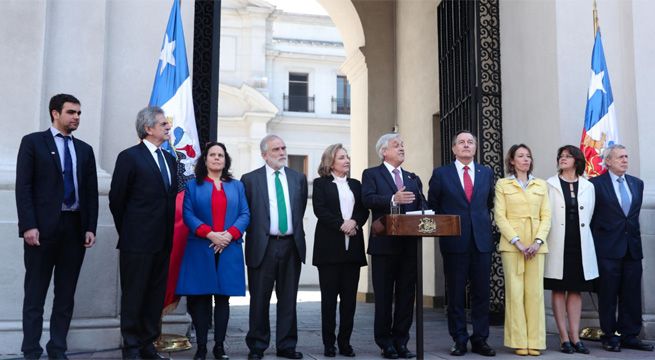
x,y
166,55
595,84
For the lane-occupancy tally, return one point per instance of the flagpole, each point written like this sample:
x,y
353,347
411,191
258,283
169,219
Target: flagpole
x,y
595,13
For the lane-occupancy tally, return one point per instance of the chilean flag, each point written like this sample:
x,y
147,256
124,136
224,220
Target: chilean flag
x,y
172,92
600,126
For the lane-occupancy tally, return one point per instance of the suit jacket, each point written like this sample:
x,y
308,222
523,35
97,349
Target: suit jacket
x,y
329,244
40,185
377,189
257,233
615,233
522,213
199,274
554,264
446,196
142,208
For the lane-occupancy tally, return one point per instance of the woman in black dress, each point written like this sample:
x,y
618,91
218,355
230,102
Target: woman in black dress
x,y
571,264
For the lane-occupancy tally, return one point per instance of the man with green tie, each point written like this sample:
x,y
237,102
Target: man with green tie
x,y
275,247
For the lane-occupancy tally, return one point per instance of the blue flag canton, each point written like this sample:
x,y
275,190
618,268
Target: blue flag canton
x,y
601,98
173,68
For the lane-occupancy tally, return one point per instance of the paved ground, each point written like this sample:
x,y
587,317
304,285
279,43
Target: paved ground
x,y
437,341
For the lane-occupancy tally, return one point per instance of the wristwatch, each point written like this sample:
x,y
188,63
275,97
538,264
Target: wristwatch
x,y
539,241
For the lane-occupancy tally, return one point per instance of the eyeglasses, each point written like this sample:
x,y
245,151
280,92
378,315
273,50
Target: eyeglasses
x,y
565,157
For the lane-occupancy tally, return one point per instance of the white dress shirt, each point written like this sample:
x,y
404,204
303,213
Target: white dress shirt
x,y
616,185
460,172
390,168
346,201
152,148
59,142
272,201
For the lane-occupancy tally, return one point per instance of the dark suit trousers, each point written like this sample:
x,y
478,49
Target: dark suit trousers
x,y
338,280
394,281
475,267
280,268
200,309
143,287
619,279
64,254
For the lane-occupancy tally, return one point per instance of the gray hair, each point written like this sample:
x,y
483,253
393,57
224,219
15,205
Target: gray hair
x,y
147,117
607,152
263,145
383,143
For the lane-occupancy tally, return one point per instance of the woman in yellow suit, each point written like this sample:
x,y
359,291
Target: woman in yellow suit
x,y
522,213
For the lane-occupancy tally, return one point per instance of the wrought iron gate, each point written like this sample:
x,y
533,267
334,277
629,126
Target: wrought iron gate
x,y
469,91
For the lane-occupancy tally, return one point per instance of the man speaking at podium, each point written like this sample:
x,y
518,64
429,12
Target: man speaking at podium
x,y
466,188
393,258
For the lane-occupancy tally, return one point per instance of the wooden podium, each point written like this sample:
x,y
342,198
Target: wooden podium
x,y
418,225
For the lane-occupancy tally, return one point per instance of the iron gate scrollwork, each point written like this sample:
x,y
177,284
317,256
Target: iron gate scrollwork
x,y
470,95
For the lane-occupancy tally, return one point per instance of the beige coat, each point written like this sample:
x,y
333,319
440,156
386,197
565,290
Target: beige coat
x,y
522,213
554,266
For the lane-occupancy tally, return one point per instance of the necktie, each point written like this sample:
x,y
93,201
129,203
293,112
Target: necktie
x,y
162,169
69,182
468,184
397,179
625,199
281,205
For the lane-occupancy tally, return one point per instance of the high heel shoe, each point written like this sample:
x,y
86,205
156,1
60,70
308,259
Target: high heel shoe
x,y
201,353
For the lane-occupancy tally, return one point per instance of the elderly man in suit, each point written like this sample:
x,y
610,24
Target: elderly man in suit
x,y
615,227
466,188
57,203
393,258
142,202
275,247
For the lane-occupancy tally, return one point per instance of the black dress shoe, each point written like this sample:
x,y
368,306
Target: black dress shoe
x,y
57,356
201,353
130,354
255,356
150,353
580,348
567,348
32,356
289,354
389,353
458,349
611,347
637,344
219,352
404,353
347,351
483,349
330,351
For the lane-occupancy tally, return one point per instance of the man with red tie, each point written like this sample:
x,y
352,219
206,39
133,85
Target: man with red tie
x,y
466,188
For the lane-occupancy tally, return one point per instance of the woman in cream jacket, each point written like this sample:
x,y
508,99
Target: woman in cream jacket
x,y
522,213
571,263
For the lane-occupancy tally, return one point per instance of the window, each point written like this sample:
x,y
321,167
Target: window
x,y
298,163
298,99
341,104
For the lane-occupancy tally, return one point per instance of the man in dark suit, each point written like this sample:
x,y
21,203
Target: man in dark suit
x,y
142,202
393,259
617,238
466,188
57,203
275,247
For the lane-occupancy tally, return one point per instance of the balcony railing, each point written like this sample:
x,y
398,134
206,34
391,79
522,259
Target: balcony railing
x,y
298,103
340,105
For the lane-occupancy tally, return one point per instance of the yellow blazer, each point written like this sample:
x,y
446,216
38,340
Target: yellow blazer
x,y
522,213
